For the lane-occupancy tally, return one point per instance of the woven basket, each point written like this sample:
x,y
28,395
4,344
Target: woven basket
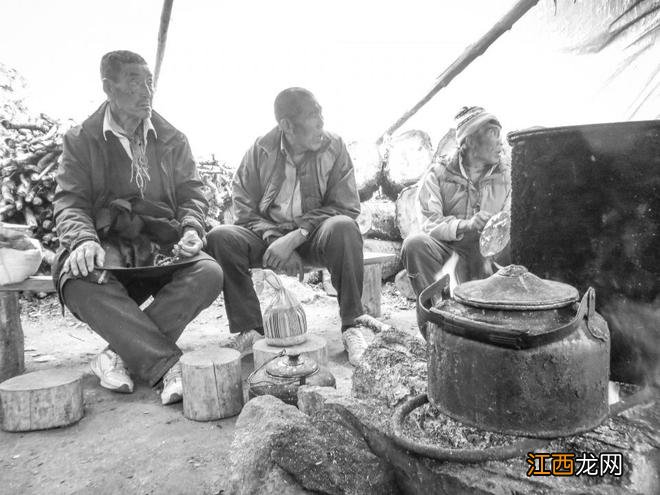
x,y
17,265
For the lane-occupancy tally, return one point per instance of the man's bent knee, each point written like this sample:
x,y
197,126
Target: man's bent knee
x,y
209,277
223,241
344,226
416,243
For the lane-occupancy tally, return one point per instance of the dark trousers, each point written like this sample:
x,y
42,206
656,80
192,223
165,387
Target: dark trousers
x,y
424,256
335,244
145,340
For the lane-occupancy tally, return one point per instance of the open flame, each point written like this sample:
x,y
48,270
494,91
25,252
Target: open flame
x,y
449,268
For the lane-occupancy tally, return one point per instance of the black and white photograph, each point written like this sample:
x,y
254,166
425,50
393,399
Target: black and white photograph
x,y
352,247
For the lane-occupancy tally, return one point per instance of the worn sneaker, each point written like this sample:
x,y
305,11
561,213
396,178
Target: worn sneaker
x,y
110,369
355,344
172,386
243,341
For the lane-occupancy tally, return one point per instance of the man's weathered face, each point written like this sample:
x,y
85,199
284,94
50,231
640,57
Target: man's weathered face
x,y
307,130
131,95
486,144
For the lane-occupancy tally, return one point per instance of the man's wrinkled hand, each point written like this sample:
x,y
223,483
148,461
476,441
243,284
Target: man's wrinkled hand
x,y
479,220
189,245
278,253
83,259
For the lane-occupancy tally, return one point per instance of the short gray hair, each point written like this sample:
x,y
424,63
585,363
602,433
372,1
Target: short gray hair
x,y
111,63
288,104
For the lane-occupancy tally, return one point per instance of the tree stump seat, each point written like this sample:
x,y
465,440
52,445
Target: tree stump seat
x,y
371,286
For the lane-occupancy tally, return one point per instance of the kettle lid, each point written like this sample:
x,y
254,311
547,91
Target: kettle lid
x,y
515,288
292,366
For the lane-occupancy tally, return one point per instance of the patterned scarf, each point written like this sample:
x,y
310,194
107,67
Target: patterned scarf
x,y
139,164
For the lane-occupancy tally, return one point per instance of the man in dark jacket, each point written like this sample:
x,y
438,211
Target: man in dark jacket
x,y
129,198
295,198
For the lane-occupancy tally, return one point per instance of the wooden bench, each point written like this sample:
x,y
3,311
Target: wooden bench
x,y
11,331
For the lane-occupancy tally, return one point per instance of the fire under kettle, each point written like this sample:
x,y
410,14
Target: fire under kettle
x,y
282,375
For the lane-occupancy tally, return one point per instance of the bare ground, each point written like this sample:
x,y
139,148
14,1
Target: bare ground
x,y
131,443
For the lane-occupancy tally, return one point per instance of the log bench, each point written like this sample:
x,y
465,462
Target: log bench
x,y
11,331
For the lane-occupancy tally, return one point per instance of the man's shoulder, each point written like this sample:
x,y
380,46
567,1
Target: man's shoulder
x,y
335,144
442,166
165,131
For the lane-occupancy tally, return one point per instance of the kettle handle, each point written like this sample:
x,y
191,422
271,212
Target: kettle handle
x,y
496,334
425,302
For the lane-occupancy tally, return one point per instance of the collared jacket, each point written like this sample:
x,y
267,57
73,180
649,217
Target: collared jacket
x,y
446,196
327,185
83,191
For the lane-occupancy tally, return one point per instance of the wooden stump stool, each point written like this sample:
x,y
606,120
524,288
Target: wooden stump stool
x,y
314,347
41,399
212,387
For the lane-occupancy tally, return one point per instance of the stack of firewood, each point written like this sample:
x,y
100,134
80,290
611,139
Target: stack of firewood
x,y
29,157
217,178
387,178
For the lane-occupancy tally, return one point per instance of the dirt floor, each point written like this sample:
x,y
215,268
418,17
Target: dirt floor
x,y
131,443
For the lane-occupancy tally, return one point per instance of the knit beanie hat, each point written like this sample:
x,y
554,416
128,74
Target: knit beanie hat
x,y
469,119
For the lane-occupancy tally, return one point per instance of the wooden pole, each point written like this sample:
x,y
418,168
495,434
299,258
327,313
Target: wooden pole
x,y
466,58
162,36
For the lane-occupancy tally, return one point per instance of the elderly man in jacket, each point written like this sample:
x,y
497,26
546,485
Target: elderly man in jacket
x,y
128,199
295,199
456,198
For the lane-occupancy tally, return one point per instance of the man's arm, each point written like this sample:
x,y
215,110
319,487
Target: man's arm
x,y
192,206
73,196
434,222
246,194
341,196
73,205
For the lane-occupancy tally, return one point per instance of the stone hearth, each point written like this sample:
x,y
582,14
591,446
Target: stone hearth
x,y
343,444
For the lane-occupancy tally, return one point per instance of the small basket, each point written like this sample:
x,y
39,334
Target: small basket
x,y
18,264
285,323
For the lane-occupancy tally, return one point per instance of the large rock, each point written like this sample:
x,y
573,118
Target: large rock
x,y
252,469
634,433
278,449
393,367
327,455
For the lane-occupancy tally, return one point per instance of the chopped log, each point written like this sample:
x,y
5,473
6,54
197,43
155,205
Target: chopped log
x,y
11,336
409,155
41,399
212,387
28,126
408,214
367,163
402,283
378,220
364,219
371,289
389,268
446,146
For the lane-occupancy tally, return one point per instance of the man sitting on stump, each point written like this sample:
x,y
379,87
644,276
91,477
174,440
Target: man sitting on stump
x,y
130,217
295,198
457,197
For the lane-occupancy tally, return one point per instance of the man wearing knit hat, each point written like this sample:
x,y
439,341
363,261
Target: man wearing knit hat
x,y
456,198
